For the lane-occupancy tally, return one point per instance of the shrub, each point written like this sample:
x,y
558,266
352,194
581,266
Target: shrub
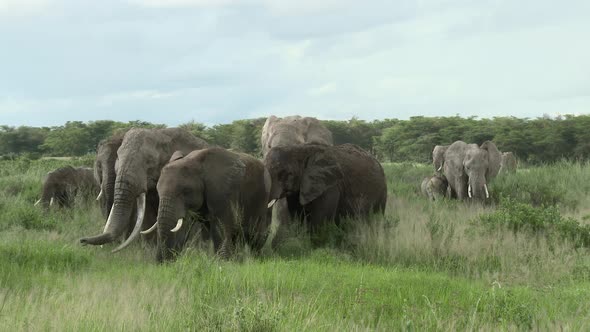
x,y
520,217
562,184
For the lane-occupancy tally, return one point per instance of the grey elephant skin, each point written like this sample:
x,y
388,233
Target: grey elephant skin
x,y
288,131
509,163
438,157
293,130
323,182
469,168
62,185
434,187
141,157
104,171
227,190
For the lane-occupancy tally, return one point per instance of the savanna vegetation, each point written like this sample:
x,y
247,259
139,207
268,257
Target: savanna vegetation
x,y
519,263
535,141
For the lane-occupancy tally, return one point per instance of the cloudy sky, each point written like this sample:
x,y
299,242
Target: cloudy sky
x,y
214,61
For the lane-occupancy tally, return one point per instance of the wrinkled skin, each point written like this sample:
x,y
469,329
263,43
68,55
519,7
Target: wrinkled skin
x,y
469,165
509,163
104,171
438,157
434,187
65,183
322,183
141,157
293,130
287,131
229,193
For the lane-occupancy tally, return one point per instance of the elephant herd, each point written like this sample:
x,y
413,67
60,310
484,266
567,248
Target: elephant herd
x,y
463,171
163,184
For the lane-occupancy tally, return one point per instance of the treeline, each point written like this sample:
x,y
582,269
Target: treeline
x,y
532,140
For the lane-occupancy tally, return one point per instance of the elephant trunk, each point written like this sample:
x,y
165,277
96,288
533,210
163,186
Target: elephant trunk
x,y
119,216
478,189
167,222
107,189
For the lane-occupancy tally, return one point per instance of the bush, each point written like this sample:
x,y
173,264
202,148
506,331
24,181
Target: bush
x,y
520,217
562,184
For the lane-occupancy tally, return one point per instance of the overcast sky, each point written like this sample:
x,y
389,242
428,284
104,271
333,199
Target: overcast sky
x,y
214,61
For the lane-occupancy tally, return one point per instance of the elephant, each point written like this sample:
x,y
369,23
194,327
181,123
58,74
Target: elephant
x,y
293,130
104,171
63,184
321,182
434,187
438,157
228,191
141,157
469,168
290,130
509,163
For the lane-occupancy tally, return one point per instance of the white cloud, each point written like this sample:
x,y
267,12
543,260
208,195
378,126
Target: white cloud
x,y
216,61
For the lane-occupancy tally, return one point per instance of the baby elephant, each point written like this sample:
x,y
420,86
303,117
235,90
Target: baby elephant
x,y
227,190
434,187
61,186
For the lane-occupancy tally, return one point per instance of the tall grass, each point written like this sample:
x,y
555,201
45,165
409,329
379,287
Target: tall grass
x,y
423,266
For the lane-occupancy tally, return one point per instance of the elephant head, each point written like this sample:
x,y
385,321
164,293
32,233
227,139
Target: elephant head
x,y
61,185
434,187
142,155
469,168
104,171
53,191
212,183
305,171
438,157
293,130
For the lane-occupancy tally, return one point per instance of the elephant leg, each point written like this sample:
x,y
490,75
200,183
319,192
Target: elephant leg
x,y
255,232
460,189
226,231
150,217
322,210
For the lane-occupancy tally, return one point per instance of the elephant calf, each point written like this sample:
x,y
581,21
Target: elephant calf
x,y
434,187
62,185
323,182
228,191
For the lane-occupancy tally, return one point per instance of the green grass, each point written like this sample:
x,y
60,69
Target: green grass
x,y
424,266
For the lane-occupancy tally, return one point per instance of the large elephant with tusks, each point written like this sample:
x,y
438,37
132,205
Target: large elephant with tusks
x,y
141,157
469,168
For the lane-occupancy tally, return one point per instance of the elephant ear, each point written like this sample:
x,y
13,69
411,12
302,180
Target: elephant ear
x,y
321,172
494,159
176,155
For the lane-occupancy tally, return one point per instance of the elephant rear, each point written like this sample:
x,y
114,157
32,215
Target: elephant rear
x,y
364,186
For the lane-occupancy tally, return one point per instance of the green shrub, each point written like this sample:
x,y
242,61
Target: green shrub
x,y
521,217
562,184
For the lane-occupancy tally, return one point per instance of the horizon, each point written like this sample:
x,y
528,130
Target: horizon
x,y
544,116
214,62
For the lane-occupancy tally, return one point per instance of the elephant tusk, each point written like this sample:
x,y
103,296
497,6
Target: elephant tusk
x,y
138,223
99,195
469,192
178,226
51,201
485,186
109,219
271,203
37,202
149,230
438,170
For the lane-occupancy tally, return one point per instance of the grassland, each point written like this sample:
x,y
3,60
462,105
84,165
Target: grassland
x,y
518,263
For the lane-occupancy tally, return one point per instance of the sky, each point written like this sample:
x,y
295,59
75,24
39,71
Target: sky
x,y
215,61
